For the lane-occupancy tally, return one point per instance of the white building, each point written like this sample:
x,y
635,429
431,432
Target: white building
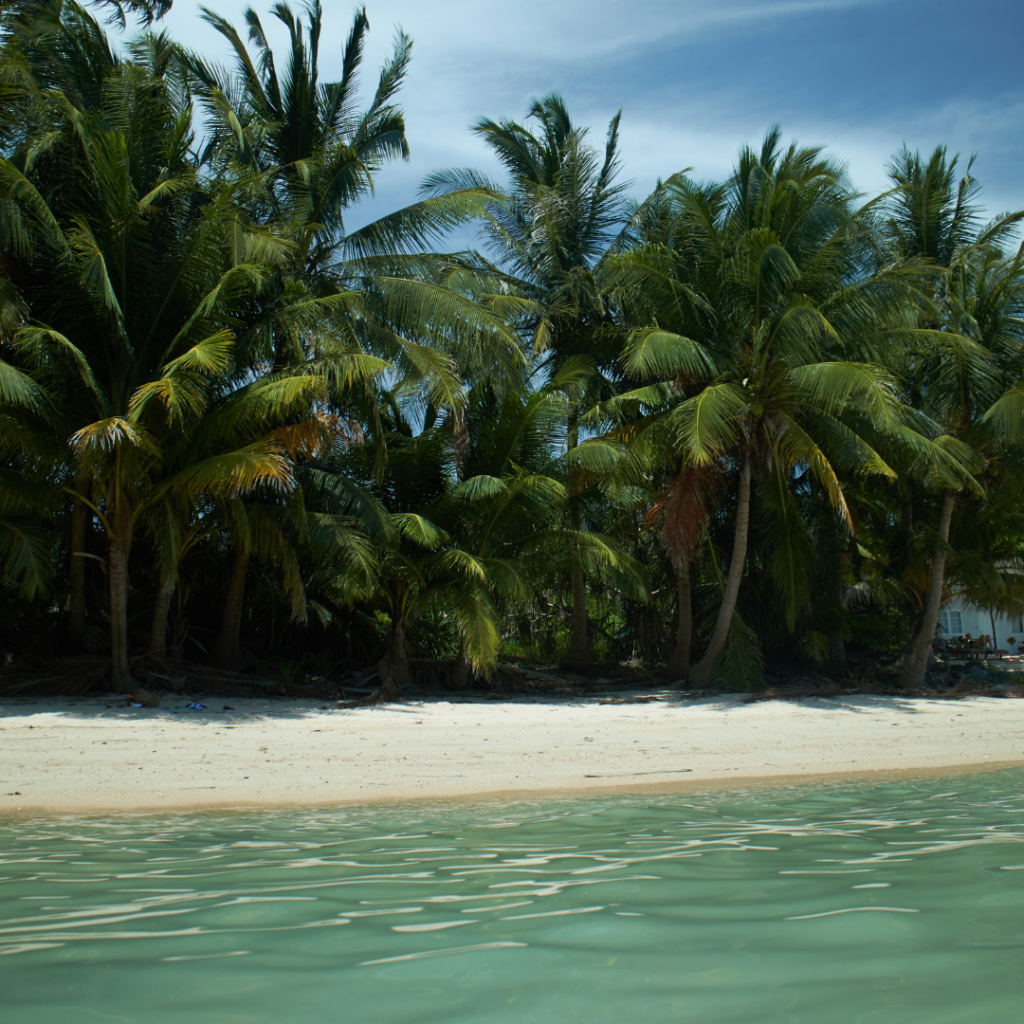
x,y
956,619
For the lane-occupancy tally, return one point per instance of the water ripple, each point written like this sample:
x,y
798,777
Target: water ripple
x,y
757,880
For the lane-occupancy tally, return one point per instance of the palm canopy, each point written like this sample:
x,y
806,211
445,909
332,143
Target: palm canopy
x,y
316,151
966,370
305,153
933,215
566,208
559,215
309,137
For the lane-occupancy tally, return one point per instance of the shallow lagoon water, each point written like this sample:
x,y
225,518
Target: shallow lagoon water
x,y
895,902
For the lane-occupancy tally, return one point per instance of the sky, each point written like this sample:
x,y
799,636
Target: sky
x,y
695,79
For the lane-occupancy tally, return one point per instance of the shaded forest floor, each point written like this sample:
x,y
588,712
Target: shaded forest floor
x,y
88,675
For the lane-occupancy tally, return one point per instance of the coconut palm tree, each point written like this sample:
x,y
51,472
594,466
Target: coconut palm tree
x,y
316,154
760,272
504,514
965,377
124,266
55,59
560,215
341,293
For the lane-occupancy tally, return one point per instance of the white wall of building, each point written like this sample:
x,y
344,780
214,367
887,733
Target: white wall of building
x,y
955,619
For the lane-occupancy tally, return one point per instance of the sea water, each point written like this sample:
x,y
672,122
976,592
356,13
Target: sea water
x,y
894,902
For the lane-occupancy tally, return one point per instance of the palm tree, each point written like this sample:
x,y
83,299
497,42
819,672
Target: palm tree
x,y
503,514
550,236
474,522
760,274
123,265
189,506
966,375
315,154
341,294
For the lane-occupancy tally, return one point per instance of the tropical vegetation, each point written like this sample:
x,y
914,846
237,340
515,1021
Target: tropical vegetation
x,y
757,425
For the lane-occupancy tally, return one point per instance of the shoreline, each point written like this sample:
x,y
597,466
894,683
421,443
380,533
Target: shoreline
x,y
486,798
86,757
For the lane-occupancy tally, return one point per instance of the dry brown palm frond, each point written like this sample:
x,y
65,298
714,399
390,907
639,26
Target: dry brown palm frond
x,y
684,509
318,435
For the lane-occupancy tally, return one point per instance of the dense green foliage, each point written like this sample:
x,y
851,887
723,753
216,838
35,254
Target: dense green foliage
x,y
749,424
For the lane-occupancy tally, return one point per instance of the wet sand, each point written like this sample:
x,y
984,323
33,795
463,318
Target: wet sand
x,y
83,756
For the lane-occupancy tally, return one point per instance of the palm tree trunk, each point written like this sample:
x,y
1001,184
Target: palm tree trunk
x,y
678,666
703,671
162,608
578,655
393,668
76,569
837,645
917,658
460,440
117,562
227,652
458,677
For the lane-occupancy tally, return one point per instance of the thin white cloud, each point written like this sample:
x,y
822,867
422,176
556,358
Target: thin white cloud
x,y
576,30
711,144
487,49
474,58
572,30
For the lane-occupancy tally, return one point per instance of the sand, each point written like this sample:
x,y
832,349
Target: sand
x,y
84,756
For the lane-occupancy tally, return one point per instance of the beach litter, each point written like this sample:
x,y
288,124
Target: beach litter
x,y
196,708
143,699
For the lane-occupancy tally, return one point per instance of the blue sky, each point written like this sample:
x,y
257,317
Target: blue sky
x,y
695,80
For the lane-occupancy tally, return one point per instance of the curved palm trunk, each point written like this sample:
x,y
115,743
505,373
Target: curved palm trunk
x,y
393,668
679,664
227,652
458,677
917,658
117,563
161,610
703,671
76,569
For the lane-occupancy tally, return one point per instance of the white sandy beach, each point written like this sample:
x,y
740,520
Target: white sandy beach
x,y
67,756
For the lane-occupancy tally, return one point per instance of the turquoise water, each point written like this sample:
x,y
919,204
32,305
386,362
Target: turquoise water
x,y
898,903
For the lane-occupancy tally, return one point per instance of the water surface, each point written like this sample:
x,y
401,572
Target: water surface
x,y
892,903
